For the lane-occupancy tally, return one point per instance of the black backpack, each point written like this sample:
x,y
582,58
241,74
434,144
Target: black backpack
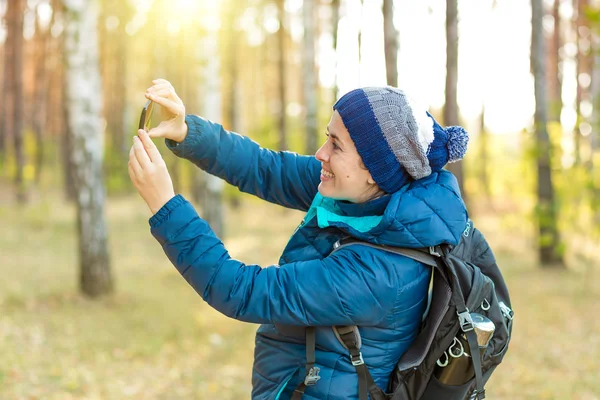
x,y
466,280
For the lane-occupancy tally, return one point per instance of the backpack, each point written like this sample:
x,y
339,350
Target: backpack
x,y
466,287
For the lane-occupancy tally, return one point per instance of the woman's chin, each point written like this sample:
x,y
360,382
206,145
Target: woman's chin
x,y
324,189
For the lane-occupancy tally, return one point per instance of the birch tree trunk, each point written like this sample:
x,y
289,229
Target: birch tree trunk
x,y
451,115
84,101
390,35
309,76
548,240
212,201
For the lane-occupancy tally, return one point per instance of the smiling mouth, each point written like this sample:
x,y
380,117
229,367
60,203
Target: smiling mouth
x,y
327,174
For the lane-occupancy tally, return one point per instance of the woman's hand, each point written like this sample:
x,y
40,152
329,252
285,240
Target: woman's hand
x,y
173,125
148,172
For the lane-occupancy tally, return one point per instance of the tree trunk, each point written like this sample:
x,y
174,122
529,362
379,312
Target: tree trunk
x,y
451,114
281,42
548,241
5,51
484,156
13,79
309,81
593,167
335,20
83,90
554,67
42,34
232,100
69,166
212,203
119,105
390,35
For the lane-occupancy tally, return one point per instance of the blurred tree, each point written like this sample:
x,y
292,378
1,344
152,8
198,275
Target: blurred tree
x,y
451,114
361,3
85,128
583,70
114,47
230,39
309,76
282,73
555,65
484,156
11,120
390,35
232,83
212,204
483,160
40,100
550,250
593,163
56,125
335,20
3,91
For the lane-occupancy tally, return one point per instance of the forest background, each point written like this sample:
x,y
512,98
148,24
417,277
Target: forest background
x,y
90,307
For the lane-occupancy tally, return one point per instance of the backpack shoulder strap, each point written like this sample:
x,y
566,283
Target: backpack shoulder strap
x,y
349,336
427,256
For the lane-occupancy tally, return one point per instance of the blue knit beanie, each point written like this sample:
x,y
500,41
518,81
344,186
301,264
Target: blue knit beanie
x,y
398,142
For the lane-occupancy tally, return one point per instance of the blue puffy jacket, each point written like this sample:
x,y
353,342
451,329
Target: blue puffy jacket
x,y
385,294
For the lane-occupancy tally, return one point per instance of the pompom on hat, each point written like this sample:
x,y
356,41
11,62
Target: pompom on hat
x,y
398,141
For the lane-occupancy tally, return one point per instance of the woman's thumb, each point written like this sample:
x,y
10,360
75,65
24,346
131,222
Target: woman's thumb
x,y
158,131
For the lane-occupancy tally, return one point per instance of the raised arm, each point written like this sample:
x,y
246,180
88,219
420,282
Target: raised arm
x,y
283,178
342,289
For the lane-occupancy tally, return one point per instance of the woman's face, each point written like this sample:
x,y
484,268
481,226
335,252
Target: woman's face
x,y
343,175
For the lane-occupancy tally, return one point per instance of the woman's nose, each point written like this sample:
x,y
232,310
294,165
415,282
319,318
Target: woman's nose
x,y
321,154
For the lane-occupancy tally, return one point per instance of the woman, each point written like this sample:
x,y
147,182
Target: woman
x,y
378,178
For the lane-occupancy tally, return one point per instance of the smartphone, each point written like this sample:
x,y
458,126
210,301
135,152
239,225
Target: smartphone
x,y
146,116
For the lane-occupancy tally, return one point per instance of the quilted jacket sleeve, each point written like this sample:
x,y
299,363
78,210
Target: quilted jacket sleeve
x,y
342,289
283,178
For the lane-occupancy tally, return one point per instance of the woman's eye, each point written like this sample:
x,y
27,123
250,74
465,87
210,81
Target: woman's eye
x,y
335,146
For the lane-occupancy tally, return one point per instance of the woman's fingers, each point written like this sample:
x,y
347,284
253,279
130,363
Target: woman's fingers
x,y
159,131
140,153
167,93
150,147
169,104
134,165
160,86
160,80
131,173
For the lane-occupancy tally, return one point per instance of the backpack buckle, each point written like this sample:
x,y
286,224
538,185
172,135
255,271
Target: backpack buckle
x,y
506,311
434,252
312,377
465,320
357,361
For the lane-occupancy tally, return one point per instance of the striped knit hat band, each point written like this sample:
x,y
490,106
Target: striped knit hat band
x,y
398,141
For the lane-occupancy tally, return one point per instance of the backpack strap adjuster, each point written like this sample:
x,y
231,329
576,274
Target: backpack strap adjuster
x,y
465,320
357,360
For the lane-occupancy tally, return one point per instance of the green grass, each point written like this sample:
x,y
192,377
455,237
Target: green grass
x,y
156,339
